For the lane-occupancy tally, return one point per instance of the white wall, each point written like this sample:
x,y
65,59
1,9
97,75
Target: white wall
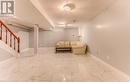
x,y
24,40
50,38
108,35
3,53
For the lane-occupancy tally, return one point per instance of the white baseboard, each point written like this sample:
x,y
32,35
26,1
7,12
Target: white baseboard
x,y
24,50
111,67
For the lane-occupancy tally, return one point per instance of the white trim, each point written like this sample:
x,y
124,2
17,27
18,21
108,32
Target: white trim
x,y
24,50
111,67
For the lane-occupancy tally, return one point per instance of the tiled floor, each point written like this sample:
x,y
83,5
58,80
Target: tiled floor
x,y
62,67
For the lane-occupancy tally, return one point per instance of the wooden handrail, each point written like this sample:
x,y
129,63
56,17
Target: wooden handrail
x,y
16,39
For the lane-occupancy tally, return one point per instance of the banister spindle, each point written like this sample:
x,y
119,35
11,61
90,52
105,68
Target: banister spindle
x,y
10,40
18,45
6,36
14,43
0,31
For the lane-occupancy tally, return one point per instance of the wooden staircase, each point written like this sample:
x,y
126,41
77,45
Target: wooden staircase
x,y
9,37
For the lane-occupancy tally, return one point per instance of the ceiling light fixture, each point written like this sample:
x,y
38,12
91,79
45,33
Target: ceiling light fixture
x,y
68,7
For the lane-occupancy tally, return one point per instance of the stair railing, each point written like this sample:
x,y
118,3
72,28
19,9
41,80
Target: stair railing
x,y
10,38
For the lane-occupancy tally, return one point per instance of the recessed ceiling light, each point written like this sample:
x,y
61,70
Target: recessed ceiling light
x,y
99,26
61,23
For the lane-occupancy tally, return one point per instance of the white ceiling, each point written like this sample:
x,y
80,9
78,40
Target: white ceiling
x,y
85,10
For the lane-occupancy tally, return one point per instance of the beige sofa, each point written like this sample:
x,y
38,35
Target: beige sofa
x,y
78,48
63,46
75,47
